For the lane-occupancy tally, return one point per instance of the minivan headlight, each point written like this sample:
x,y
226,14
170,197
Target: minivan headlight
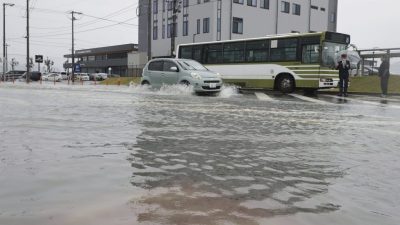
x,y
195,76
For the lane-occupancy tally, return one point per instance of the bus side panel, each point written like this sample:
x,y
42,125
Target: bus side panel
x,y
254,83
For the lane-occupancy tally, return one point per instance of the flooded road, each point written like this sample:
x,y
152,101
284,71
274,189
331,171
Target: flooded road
x,y
116,155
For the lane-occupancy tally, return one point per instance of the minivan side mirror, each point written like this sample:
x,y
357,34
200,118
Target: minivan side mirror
x,y
174,69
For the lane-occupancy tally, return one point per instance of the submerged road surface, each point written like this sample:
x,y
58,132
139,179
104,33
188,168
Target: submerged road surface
x,y
118,156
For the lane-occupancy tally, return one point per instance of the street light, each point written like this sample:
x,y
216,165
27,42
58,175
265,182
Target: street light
x,y
4,38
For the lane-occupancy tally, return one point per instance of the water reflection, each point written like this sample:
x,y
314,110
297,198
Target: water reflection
x,y
230,163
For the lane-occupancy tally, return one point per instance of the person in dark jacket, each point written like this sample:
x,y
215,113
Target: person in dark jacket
x,y
343,67
384,76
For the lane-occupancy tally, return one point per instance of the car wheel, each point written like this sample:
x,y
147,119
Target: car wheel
x,y
286,84
145,82
185,82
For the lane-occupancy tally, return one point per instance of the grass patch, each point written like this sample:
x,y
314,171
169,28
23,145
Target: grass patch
x,y
121,81
372,84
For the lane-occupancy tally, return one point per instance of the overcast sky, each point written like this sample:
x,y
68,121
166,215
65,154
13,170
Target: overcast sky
x,y
371,23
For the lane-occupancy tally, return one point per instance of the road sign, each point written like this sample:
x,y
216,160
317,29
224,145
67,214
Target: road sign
x,y
77,68
39,58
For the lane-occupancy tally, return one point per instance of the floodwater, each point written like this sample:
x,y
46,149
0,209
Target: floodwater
x,y
129,155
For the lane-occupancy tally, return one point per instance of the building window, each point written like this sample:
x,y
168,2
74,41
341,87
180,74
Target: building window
x,y
163,31
322,9
238,1
185,29
185,3
314,7
155,6
155,30
206,25
198,26
333,17
285,7
198,1
237,25
170,5
163,5
264,4
252,3
171,28
296,9
206,1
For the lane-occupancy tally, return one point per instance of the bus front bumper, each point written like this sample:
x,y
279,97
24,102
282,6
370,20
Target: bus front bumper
x,y
328,82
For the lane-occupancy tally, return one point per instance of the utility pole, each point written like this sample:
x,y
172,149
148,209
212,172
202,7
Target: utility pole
x,y
28,65
4,39
176,8
73,44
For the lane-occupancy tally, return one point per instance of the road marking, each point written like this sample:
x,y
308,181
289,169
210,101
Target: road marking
x,y
263,97
308,99
365,102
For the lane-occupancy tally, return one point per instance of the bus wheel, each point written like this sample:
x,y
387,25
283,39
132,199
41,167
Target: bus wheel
x,y
286,84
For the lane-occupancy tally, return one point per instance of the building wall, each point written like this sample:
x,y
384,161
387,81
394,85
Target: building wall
x,y
256,21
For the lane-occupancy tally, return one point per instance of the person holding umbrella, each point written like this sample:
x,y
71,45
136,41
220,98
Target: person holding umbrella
x,y
343,66
384,76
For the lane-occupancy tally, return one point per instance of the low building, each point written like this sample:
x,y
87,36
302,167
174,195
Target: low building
x,y
120,58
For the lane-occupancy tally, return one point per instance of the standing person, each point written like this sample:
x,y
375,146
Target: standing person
x,y
384,75
343,67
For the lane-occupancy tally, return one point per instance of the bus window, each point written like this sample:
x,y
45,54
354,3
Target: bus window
x,y
213,53
186,52
284,50
197,53
234,52
257,51
310,54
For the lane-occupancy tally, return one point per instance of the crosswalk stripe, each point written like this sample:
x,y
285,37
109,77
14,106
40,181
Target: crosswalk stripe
x,y
263,97
364,102
308,99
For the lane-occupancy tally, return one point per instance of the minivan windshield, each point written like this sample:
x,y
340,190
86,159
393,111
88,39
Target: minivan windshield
x,y
191,65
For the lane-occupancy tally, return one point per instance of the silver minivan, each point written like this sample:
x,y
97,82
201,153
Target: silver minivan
x,y
168,71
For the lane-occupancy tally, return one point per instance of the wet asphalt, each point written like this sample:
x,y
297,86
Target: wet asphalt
x,y
129,155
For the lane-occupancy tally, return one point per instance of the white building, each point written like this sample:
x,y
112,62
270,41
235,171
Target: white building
x,y
214,20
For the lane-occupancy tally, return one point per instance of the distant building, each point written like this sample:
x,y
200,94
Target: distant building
x,y
120,58
214,20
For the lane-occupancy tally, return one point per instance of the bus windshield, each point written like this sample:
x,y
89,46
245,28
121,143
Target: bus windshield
x,y
191,65
329,53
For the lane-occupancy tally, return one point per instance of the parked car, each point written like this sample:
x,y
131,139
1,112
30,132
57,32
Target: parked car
x,y
52,77
82,76
158,72
98,76
34,76
14,74
64,75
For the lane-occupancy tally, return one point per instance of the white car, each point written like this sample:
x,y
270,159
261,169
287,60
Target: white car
x,y
82,76
64,75
101,76
52,77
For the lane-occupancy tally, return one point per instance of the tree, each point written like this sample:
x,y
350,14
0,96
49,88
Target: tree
x,y
14,63
49,64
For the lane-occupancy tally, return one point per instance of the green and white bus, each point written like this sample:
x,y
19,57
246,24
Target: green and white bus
x,y
280,62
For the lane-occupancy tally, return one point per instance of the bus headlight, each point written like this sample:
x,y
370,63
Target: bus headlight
x,y
195,76
326,80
